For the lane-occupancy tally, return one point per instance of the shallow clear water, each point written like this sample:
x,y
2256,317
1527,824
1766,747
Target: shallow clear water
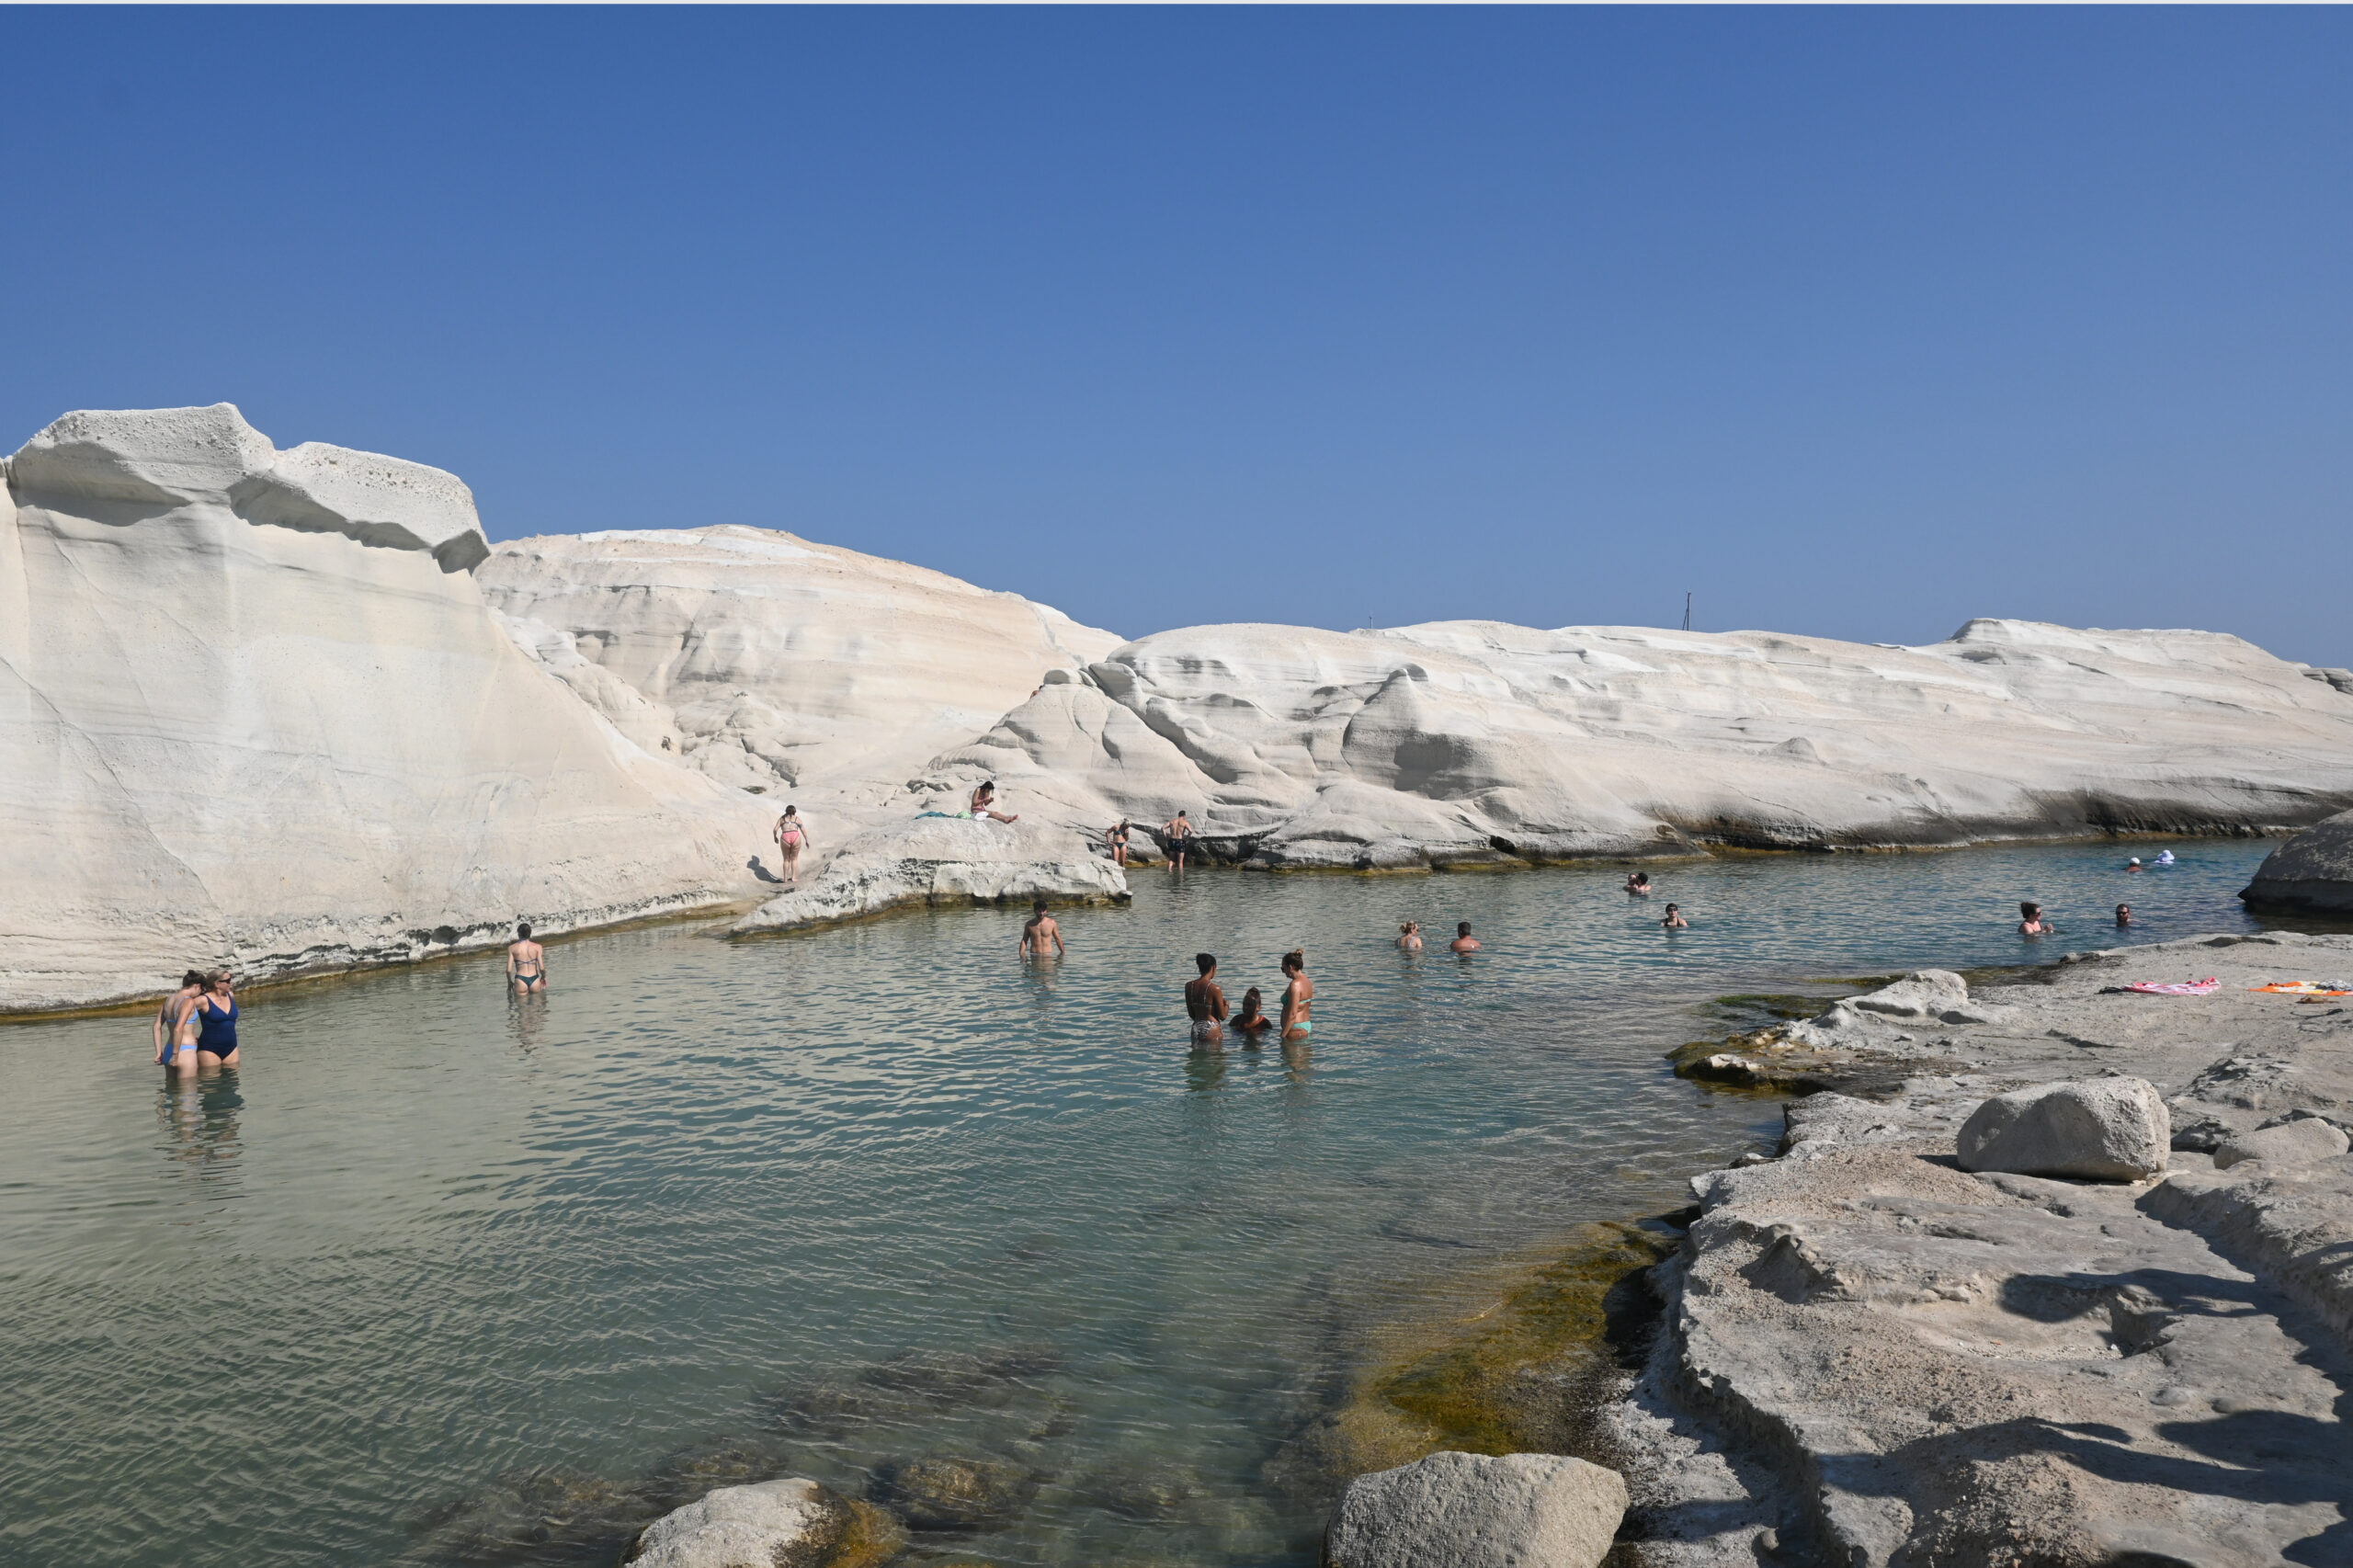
x,y
818,1203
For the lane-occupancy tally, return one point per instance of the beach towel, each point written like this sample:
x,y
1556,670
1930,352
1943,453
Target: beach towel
x,y
2176,988
951,816
2305,988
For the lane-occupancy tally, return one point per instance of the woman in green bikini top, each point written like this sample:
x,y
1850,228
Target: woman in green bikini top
x,y
1298,996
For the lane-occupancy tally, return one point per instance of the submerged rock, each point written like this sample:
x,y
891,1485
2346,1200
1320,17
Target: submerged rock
x,y
789,1523
946,1493
2104,1129
1154,1493
1454,1510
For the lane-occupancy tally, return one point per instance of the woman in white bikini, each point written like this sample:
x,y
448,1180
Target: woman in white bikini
x,y
791,837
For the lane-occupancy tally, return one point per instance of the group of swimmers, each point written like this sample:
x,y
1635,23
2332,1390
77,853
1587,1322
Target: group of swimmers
x,y
197,1026
1205,1006
1639,886
2033,922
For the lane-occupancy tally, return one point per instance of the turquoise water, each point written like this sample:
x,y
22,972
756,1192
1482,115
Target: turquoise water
x,y
439,1277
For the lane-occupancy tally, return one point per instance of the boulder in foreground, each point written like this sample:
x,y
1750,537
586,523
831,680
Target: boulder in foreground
x,y
2311,872
1454,1510
2293,1143
946,862
2103,1129
792,1523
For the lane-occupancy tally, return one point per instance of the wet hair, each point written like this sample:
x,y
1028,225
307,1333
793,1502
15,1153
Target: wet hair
x,y
1206,961
1462,927
522,931
193,977
1642,876
2029,910
1408,926
1039,906
1296,959
1674,909
1250,1001
2124,909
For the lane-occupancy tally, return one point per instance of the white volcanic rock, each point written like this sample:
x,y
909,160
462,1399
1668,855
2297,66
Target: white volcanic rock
x,y
1924,994
771,663
254,711
791,1523
1457,1510
2102,1128
941,861
2312,871
1475,741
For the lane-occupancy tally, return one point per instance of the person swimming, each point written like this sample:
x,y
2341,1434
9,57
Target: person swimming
x,y
2124,914
2133,864
216,1038
791,836
1040,930
1204,1002
1639,884
2031,923
1251,1020
1409,936
527,961
1464,942
1675,921
1299,995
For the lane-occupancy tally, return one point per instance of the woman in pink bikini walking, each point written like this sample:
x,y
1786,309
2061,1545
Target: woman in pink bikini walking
x,y
791,837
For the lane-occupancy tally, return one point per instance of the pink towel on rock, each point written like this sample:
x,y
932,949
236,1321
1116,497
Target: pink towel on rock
x,y
2178,988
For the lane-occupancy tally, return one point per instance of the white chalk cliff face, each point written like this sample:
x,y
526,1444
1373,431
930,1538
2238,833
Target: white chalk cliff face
x,y
253,710
772,663
1467,741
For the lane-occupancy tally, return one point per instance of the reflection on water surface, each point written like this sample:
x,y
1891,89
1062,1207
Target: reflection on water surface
x,y
439,1275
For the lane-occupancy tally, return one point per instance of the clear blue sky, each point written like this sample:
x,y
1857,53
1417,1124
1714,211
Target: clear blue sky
x,y
1854,322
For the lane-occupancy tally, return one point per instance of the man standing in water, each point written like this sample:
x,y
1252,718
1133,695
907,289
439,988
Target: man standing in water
x,y
1041,930
1179,832
1205,1004
527,961
1464,942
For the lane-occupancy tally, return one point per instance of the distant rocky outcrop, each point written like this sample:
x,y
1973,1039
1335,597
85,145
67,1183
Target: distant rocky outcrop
x,y
1470,742
254,711
2312,873
774,664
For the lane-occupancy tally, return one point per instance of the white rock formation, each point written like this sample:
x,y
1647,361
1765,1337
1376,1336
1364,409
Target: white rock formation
x,y
1472,741
1924,993
770,663
942,863
253,710
2312,873
791,1523
2102,1128
1456,1510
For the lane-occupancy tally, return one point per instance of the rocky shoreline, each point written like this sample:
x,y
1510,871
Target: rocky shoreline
x,y
1867,1353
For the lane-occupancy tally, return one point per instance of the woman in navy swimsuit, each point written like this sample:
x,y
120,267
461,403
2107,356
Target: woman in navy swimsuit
x,y
216,1010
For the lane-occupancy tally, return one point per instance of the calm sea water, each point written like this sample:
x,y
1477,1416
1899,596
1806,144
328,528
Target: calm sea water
x,y
435,1277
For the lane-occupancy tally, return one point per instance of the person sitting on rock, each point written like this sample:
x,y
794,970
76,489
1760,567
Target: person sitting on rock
x,y
1464,942
1205,1004
1675,921
2033,924
1639,884
1252,1019
983,806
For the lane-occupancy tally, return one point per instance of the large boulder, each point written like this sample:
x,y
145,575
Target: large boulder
x,y
2101,1128
2311,872
2293,1142
791,1523
1454,1510
255,712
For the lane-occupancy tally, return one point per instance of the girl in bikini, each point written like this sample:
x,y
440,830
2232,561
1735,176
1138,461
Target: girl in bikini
x,y
167,1019
1299,995
791,837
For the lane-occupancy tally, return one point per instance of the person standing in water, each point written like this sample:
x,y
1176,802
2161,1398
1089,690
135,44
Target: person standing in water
x,y
791,836
2033,924
1119,840
1205,1003
187,1028
1639,884
1464,942
1675,921
216,1037
984,805
527,961
1179,834
1409,935
168,1018
1298,997
1040,930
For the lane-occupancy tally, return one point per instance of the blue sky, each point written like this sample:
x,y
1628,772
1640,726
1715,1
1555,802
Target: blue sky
x,y
1855,322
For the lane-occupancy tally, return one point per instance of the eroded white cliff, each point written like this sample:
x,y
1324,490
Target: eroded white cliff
x,y
253,710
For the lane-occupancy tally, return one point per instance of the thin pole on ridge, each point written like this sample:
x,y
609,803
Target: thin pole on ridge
x,y
1686,611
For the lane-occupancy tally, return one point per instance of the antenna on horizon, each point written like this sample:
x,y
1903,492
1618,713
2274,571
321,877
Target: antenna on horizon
x,y
1686,611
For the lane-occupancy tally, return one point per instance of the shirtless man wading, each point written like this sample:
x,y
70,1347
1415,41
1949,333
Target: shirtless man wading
x,y
1040,930
1179,834
1205,1004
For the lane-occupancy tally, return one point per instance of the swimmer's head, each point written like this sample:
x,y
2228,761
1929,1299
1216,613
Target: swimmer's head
x,y
193,977
1673,907
2029,910
1250,1000
1295,961
522,931
1462,927
2122,910
1205,962
1410,927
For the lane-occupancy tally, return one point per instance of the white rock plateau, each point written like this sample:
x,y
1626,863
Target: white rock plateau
x,y
253,710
